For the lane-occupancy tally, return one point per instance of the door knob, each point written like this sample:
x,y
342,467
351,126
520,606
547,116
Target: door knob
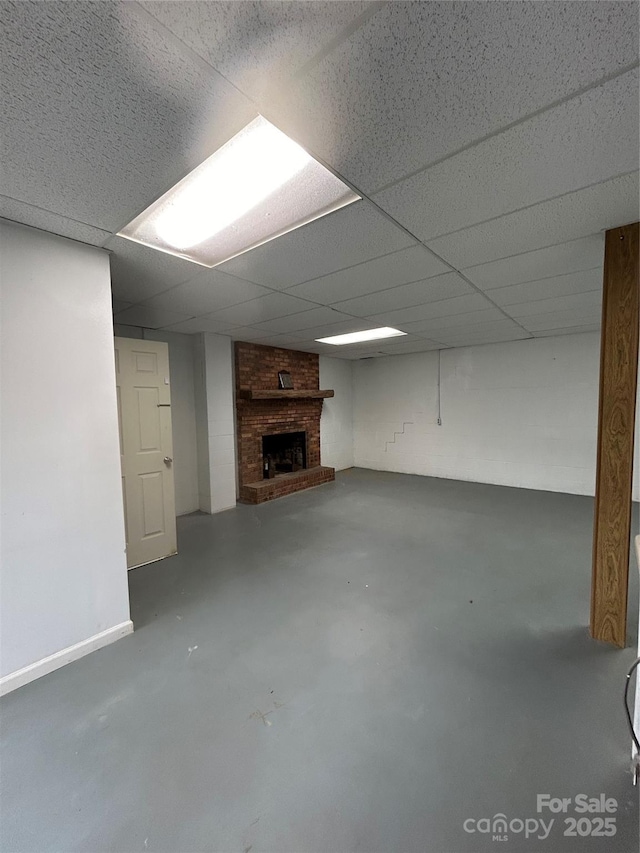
x,y
168,460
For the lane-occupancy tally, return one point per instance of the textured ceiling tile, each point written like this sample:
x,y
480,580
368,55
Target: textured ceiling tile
x,y
583,254
138,272
415,345
413,264
118,305
568,330
488,317
248,333
208,292
198,324
418,81
263,309
470,325
581,142
349,236
561,285
101,112
444,308
149,318
559,220
357,356
26,214
476,339
589,301
312,346
305,320
342,327
256,45
407,295
561,320
285,341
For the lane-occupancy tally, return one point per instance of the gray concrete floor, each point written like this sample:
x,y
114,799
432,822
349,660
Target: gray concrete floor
x,y
359,667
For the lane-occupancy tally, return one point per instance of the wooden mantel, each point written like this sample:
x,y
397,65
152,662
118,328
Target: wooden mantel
x,y
285,394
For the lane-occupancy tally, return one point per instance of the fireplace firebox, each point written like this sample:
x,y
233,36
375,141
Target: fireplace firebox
x,y
284,452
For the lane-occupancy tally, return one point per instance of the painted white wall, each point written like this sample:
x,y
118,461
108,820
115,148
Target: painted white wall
x,y
183,411
518,414
215,416
336,423
63,567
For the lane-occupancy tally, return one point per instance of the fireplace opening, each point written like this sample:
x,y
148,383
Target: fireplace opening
x,y
283,453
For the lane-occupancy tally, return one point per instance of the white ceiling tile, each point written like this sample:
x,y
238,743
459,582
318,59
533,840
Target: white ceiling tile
x,y
349,236
149,318
583,254
312,346
350,352
351,324
119,305
361,356
559,220
415,345
138,272
27,214
568,330
247,333
561,319
254,44
285,341
482,322
210,291
419,81
305,320
559,285
198,324
260,310
106,111
407,295
467,337
413,264
581,142
590,300
444,308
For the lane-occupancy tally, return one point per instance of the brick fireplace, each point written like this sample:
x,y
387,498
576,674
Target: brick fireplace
x,y
279,427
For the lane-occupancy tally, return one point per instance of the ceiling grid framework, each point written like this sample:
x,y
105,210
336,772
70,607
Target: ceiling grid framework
x,y
481,219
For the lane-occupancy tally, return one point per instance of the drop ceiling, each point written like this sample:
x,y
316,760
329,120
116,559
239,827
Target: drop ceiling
x,y
493,143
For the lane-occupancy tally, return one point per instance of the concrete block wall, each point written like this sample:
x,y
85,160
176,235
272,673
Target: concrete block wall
x,y
519,414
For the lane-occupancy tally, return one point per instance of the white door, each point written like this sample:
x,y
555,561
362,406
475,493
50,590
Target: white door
x,y
146,451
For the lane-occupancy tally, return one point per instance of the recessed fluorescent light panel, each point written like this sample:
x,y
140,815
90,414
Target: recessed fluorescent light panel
x,y
360,337
258,186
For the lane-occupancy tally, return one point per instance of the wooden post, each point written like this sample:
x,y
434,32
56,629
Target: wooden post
x,y
616,416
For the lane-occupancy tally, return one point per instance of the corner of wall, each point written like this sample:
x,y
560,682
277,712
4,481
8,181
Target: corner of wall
x,y
215,422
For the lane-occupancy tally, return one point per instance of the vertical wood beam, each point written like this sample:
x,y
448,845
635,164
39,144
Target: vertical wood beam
x,y
616,416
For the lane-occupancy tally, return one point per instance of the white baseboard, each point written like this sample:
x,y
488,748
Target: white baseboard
x,y
62,658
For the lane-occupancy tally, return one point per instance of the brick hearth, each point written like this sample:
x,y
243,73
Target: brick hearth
x,y
257,369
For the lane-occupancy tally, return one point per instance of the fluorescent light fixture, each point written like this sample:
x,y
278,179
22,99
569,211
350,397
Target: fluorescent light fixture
x,y
360,337
258,186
